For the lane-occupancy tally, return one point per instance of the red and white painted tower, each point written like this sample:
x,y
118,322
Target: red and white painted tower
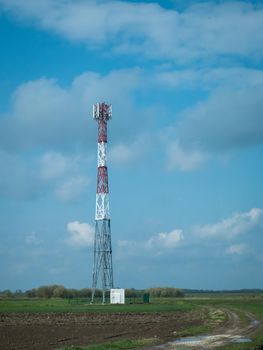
x,y
102,264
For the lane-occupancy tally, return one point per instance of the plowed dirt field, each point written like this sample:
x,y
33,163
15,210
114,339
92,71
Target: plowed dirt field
x,y
45,331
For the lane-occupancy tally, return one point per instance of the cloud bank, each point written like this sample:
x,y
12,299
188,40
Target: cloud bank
x,y
237,224
56,117
149,29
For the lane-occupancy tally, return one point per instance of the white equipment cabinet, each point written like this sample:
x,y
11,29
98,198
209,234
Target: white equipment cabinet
x,y
117,296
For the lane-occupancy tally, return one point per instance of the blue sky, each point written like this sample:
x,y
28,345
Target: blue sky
x,y
185,143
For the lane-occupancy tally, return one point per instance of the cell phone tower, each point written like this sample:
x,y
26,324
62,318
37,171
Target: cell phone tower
x,y
102,265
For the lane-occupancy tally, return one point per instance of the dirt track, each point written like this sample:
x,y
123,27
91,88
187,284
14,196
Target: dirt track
x,y
52,330
234,326
233,331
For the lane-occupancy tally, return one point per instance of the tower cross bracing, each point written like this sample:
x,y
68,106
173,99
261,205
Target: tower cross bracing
x,y
102,263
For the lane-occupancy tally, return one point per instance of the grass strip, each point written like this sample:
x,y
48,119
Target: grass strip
x,y
115,345
62,305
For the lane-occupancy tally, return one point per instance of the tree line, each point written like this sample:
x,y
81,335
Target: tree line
x,y
59,291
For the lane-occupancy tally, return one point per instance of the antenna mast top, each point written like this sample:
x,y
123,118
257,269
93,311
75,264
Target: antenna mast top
x,y
102,111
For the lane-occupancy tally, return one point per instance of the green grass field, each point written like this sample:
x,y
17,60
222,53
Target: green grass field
x,y
63,305
247,303
115,345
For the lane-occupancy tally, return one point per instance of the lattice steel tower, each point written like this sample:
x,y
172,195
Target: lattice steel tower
x,y
102,265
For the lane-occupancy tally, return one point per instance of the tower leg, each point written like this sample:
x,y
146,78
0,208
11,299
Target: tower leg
x,y
102,258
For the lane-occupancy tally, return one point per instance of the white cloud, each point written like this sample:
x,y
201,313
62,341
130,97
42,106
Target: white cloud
x,y
81,234
72,188
237,224
185,160
157,244
166,240
62,124
207,78
127,153
65,174
122,154
229,119
53,165
18,177
236,249
128,248
67,117
202,31
35,122
24,177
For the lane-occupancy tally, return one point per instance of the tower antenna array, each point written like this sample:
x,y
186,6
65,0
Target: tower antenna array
x,y
102,264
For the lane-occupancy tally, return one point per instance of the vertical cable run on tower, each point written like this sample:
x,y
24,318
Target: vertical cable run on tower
x,y
102,264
